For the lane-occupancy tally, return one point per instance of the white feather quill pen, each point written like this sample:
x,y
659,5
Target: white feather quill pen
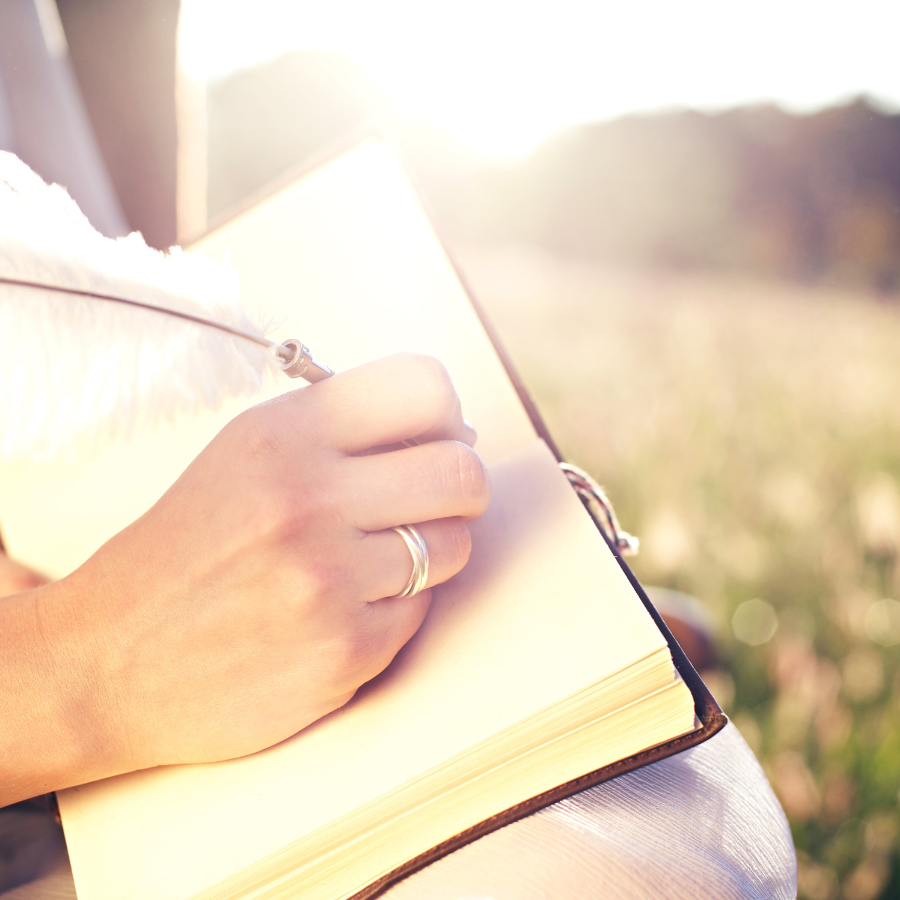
x,y
75,366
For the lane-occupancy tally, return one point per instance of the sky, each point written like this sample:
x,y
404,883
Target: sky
x,y
501,76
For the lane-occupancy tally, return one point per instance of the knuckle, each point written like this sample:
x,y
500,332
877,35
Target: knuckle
x,y
355,657
348,654
366,644
469,477
273,515
317,582
255,436
270,430
437,384
311,507
300,516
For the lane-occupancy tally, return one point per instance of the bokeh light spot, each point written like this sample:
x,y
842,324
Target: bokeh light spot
x,y
754,622
882,622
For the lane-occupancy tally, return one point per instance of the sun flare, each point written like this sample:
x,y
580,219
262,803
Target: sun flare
x,y
501,76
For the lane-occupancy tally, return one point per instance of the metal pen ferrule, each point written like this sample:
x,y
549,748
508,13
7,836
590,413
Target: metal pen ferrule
x,y
300,363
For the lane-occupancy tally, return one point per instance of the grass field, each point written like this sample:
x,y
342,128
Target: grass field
x,y
749,433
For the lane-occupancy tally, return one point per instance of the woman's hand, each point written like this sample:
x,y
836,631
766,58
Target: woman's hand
x,y
257,595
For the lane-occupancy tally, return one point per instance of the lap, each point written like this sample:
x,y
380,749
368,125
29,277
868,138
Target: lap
x,y
704,823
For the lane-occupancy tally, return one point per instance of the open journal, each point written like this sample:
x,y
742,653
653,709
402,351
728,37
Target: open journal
x,y
538,671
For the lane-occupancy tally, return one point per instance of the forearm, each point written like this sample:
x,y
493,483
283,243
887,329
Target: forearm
x,y
54,731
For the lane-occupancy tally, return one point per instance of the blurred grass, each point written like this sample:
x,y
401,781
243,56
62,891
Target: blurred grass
x,y
749,433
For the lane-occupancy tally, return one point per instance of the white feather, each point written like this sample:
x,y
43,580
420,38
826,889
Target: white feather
x,y
74,368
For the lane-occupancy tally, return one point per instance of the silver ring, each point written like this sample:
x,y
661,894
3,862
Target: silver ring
x,y
419,552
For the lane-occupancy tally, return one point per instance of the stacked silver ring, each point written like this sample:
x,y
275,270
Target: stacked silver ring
x,y
419,576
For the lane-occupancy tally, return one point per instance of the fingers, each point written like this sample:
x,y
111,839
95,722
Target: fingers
x,y
391,621
403,397
383,561
415,484
380,623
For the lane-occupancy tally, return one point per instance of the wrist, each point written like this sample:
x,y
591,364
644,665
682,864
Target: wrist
x,y
54,695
